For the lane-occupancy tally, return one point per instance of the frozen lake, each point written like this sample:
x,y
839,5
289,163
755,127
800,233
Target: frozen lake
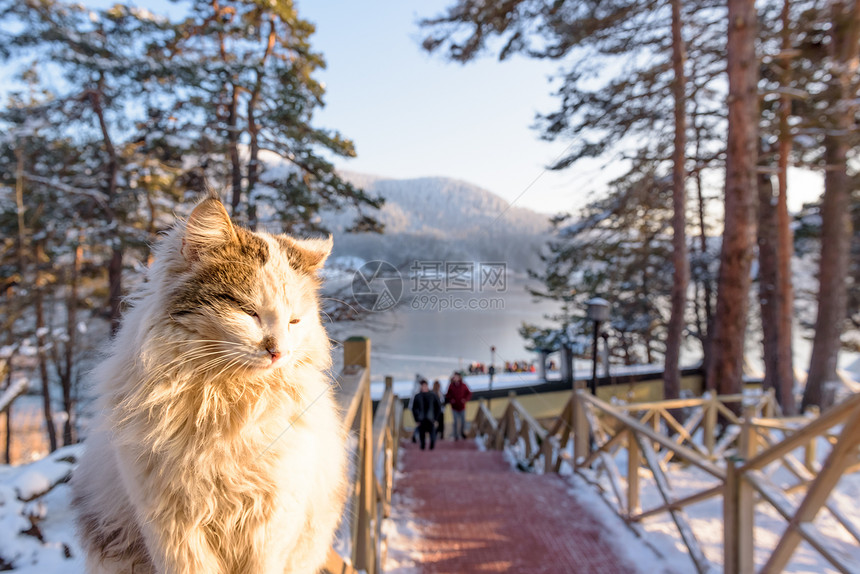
x,y
415,338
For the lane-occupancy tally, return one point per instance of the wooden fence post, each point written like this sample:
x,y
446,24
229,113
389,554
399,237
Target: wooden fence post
x,y
810,456
356,351
548,462
634,458
739,505
731,562
365,552
581,445
710,424
768,411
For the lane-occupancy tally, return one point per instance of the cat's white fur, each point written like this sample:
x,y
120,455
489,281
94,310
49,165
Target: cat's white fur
x,y
211,456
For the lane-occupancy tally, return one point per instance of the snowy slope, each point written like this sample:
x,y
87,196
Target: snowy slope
x,y
37,534
444,207
438,218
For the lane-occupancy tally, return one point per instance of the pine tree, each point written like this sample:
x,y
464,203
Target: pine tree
x,y
242,75
841,94
724,371
620,245
603,112
97,54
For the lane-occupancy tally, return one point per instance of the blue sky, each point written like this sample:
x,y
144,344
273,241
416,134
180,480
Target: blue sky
x,y
412,114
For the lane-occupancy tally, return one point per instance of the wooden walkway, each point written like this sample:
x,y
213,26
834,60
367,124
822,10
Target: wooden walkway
x,y
476,514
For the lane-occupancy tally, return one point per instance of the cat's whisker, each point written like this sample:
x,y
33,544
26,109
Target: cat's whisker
x,y
217,361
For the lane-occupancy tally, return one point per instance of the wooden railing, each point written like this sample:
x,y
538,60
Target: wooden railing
x,y
734,450
375,441
520,430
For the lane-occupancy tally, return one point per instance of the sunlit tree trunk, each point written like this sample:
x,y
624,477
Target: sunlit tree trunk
x,y
111,175
47,408
680,259
727,346
785,237
835,208
67,373
768,279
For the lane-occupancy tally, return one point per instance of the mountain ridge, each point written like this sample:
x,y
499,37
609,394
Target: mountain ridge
x,y
437,217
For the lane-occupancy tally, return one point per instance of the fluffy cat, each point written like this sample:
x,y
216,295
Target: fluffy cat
x,y
219,448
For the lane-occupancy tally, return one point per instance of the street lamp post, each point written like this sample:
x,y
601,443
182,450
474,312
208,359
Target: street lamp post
x,y
597,312
492,371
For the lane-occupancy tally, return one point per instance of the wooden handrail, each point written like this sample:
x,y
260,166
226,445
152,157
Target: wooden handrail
x,y
825,421
376,438
527,418
350,391
686,453
380,420
598,429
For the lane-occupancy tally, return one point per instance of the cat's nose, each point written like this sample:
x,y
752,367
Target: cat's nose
x,y
271,347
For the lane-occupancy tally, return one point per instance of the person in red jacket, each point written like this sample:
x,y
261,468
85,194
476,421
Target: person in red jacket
x,y
457,395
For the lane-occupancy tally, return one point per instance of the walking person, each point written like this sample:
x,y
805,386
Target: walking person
x,y
416,388
425,410
440,422
457,396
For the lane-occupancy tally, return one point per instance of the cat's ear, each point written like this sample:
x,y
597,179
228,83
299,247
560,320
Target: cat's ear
x,y
306,255
208,228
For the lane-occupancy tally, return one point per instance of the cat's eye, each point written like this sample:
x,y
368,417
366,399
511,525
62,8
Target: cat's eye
x,y
294,321
242,306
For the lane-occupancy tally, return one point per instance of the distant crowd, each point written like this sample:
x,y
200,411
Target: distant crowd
x,y
476,368
520,367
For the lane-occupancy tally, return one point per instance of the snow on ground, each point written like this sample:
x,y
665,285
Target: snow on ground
x,y
706,518
636,548
37,533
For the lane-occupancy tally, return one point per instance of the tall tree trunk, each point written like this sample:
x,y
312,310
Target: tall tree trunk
x,y
233,149
111,174
680,259
254,129
835,209
67,375
254,159
233,133
705,327
40,343
20,209
725,370
7,440
785,237
768,279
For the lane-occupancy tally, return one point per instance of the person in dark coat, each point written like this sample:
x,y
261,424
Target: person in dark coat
x,y
426,409
457,395
440,422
